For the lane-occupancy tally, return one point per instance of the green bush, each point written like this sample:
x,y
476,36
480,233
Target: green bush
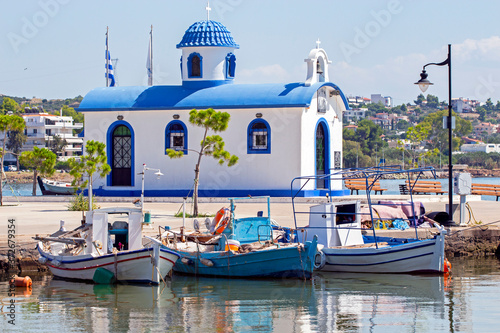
x,y
81,203
62,165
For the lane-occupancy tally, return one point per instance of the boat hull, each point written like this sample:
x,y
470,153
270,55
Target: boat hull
x,y
131,266
421,256
49,187
291,261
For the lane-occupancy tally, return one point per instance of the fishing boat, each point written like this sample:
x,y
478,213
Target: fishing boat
x,y
245,247
108,247
53,187
347,246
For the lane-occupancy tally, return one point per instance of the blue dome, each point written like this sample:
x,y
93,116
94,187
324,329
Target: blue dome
x,y
207,33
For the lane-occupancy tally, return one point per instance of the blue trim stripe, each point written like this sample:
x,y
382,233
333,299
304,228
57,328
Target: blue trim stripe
x,y
218,193
393,250
383,262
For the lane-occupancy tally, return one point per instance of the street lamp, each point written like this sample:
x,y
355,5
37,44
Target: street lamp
x,y
157,173
423,83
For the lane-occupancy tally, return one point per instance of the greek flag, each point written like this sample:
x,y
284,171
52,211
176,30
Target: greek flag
x,y
110,77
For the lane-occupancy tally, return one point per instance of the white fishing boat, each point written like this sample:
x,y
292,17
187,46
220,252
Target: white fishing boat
x,y
347,246
108,247
53,187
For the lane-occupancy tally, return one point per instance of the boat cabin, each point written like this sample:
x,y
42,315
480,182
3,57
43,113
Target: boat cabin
x,y
335,224
119,228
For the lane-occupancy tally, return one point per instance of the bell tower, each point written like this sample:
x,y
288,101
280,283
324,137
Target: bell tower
x,y
317,66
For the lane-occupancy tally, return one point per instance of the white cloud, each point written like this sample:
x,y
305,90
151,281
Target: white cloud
x,y
486,49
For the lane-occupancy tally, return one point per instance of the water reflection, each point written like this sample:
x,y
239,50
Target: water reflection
x,y
332,302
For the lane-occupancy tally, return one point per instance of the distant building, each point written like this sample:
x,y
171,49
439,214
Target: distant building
x,y
40,130
463,105
358,100
359,114
487,128
382,119
482,147
385,101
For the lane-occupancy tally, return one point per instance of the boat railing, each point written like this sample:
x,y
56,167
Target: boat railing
x,y
265,235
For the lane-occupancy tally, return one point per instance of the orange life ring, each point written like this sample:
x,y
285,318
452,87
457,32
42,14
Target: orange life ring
x,y
219,215
222,220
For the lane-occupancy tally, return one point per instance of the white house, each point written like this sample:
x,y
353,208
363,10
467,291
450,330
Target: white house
x,y
278,131
41,128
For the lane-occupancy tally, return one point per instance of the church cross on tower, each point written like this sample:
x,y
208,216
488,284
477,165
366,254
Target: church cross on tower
x,y
317,43
208,10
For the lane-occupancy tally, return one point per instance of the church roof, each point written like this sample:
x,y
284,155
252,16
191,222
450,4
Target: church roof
x,y
207,33
227,96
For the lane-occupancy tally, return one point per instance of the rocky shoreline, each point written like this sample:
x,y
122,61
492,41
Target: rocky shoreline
x,y
25,177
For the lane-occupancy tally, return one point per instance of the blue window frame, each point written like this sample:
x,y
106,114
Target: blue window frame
x,y
230,65
259,137
176,136
195,65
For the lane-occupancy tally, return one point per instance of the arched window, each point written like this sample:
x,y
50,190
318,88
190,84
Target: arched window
x,y
230,65
259,137
176,136
195,65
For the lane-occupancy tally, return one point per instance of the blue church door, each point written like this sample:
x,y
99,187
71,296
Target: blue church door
x,y
321,157
122,157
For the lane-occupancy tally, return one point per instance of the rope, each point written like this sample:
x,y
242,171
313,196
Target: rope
x,y
476,226
301,263
471,215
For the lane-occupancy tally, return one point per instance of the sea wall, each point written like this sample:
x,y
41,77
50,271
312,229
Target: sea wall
x,y
478,241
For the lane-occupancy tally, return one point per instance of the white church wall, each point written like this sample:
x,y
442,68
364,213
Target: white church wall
x,y
213,62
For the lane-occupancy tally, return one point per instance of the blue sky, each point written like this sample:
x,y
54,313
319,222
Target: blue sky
x,y
55,48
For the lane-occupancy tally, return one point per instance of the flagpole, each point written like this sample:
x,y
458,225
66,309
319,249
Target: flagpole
x,y
151,54
150,69
107,58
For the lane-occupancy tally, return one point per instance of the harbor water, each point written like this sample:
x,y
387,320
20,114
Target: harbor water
x,y
466,301
392,186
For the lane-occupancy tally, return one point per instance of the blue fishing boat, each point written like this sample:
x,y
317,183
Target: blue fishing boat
x,y
247,247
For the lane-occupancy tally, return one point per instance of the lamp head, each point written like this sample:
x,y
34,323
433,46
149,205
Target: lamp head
x,y
423,83
158,174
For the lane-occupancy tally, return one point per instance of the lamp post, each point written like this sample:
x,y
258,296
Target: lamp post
x,y
157,173
423,83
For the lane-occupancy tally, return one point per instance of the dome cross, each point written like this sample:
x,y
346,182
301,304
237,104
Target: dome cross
x,y
208,10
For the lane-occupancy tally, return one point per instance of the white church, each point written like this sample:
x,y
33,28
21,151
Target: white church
x,y
278,131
